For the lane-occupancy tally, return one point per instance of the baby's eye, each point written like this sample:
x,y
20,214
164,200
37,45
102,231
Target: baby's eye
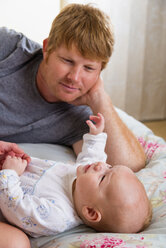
x,y
102,178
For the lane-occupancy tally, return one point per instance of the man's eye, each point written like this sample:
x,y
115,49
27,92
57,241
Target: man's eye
x,y
89,68
68,61
102,178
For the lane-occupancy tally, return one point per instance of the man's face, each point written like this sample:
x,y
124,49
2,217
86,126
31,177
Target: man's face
x,y
67,75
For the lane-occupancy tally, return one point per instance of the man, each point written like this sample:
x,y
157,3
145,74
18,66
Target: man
x,y
46,96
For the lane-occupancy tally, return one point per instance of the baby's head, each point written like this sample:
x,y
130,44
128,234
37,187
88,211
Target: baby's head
x,y
111,199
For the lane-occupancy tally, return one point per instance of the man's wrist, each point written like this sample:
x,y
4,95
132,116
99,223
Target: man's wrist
x,y
100,102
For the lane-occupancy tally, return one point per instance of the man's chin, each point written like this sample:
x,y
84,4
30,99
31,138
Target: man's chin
x,y
70,100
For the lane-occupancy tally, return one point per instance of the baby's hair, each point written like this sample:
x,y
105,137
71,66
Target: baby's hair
x,y
148,218
105,226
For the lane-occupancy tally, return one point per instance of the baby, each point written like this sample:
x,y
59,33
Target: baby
x,y
48,197
111,199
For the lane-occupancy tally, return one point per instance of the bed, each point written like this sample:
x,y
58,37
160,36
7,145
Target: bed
x,y
153,177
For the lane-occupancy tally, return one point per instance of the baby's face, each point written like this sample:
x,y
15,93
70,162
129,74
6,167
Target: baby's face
x,y
95,181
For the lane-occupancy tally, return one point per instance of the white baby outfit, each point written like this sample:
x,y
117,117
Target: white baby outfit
x,y
40,201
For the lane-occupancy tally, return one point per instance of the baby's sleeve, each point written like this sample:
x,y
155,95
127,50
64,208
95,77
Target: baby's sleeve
x,y
93,149
37,216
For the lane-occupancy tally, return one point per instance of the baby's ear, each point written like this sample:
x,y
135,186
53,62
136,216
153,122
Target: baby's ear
x,y
91,214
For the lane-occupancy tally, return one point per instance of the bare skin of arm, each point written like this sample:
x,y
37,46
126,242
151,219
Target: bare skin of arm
x,y
11,237
122,147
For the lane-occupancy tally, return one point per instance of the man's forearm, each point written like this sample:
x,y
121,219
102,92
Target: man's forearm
x,y
122,146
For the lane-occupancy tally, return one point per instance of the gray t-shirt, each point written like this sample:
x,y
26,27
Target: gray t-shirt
x,y
24,114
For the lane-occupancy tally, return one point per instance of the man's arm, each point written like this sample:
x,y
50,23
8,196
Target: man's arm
x,y
8,41
122,146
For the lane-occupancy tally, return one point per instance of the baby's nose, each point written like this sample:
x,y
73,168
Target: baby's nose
x,y
98,166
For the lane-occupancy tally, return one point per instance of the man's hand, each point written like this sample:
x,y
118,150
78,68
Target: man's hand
x,y
15,163
91,96
98,126
7,148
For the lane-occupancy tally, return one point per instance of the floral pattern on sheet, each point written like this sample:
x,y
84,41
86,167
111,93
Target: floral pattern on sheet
x,y
159,200
105,241
109,241
150,147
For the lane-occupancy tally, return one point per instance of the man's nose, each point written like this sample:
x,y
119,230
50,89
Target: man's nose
x,y
74,74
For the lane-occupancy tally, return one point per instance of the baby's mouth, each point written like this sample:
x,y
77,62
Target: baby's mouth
x,y
87,167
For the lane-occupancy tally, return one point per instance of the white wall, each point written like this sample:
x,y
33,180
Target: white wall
x,y
32,17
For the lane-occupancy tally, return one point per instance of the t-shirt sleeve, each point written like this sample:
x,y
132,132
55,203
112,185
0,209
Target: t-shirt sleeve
x,y
73,124
8,42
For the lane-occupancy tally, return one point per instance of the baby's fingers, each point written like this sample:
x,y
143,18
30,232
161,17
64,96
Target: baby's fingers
x,y
97,118
94,118
90,124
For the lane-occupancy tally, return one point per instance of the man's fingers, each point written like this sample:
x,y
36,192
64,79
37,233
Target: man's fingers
x,y
26,157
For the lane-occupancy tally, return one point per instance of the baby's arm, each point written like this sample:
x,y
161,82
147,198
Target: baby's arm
x,y
93,142
36,215
15,163
98,127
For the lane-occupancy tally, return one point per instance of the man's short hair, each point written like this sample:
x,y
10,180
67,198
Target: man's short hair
x,y
85,26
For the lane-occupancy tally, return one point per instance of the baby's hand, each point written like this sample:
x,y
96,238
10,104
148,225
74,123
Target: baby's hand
x,y
98,127
12,149
15,163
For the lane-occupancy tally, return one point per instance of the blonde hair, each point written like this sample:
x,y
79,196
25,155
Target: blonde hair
x,y
104,224
148,218
87,27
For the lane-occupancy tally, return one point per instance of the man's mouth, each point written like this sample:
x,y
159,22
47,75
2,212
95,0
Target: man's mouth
x,y
68,87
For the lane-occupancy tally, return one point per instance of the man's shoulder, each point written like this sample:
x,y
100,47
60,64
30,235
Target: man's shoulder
x,y
8,33
10,40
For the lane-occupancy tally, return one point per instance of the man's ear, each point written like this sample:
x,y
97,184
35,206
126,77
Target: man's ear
x,y
91,214
45,42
